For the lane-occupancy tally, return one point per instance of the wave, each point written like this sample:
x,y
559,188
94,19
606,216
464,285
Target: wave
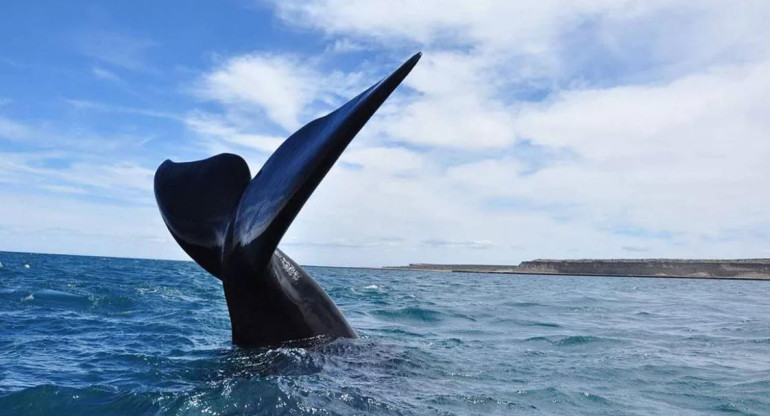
x,y
568,341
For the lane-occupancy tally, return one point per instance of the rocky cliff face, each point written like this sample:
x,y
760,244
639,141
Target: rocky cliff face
x,y
652,267
725,269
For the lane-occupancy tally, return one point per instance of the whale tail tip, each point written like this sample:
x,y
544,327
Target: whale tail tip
x,y
213,208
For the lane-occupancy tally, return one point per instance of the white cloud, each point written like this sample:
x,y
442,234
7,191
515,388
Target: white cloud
x,y
124,181
389,160
434,121
660,105
532,29
685,159
283,91
345,45
603,122
222,134
111,108
280,86
78,163
61,224
472,244
525,24
456,105
10,129
104,74
116,49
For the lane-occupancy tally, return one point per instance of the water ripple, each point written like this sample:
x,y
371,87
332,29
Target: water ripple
x,y
103,336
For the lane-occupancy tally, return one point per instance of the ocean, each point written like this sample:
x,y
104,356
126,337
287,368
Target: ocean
x,y
105,336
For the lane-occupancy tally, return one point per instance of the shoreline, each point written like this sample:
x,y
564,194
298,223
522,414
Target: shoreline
x,y
707,269
523,273
728,269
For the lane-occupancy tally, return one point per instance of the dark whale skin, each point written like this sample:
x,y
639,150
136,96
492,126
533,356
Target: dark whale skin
x,y
231,224
284,304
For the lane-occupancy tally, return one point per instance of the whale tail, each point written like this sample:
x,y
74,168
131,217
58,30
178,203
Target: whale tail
x,y
218,214
197,201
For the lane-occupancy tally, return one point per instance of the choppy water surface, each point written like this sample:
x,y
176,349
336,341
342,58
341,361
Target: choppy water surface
x,y
93,336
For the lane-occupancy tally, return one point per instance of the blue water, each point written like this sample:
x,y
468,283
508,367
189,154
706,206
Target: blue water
x,y
104,336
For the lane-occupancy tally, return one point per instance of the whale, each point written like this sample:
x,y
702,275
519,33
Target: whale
x,y
231,223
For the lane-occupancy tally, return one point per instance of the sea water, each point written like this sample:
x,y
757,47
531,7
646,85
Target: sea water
x,y
105,336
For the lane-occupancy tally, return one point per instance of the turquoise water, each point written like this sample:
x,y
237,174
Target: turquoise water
x,y
104,336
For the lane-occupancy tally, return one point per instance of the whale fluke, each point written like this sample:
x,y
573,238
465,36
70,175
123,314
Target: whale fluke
x,y
197,201
231,224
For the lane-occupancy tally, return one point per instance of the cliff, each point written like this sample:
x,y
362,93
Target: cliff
x,y
717,269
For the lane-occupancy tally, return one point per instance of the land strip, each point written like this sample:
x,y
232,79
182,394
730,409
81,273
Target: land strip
x,y
753,269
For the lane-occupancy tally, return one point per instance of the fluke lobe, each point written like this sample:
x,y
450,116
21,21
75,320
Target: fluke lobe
x,y
231,224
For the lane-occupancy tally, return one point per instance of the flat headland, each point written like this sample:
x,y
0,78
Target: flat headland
x,y
750,269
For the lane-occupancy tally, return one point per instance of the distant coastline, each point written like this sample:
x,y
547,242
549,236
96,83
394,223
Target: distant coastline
x,y
747,269
736,269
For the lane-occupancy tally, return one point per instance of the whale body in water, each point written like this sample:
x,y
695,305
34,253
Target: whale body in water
x,y
231,223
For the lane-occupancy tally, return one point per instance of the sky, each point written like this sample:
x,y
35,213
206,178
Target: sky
x,y
529,129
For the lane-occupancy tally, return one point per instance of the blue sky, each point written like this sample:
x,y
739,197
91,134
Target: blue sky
x,y
562,129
